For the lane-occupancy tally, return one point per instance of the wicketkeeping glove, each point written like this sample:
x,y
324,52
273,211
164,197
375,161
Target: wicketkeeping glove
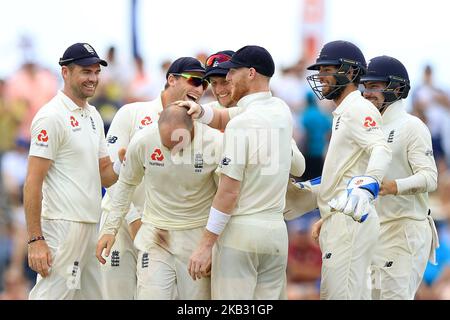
x,y
356,201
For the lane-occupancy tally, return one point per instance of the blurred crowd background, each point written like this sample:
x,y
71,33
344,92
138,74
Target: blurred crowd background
x,y
27,88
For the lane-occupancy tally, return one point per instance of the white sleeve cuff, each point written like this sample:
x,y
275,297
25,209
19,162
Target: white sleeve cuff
x,y
411,185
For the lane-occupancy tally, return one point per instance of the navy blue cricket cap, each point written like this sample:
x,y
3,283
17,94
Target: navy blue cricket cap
x,y
81,54
213,62
185,64
252,57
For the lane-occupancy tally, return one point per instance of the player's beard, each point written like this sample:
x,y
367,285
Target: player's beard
x,y
82,92
239,89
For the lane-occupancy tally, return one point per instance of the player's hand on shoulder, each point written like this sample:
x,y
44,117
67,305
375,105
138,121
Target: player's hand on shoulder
x,y
194,109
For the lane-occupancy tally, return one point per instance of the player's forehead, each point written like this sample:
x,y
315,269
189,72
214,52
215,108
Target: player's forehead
x,y
217,79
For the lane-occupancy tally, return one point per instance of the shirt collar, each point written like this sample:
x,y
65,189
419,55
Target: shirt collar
x,y
347,100
393,111
244,102
69,104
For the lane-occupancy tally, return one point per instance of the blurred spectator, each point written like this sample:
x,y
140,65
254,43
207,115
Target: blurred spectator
x,y
436,279
5,243
12,113
291,86
15,287
110,93
445,137
202,56
159,80
18,277
31,86
116,73
432,105
139,88
316,128
304,259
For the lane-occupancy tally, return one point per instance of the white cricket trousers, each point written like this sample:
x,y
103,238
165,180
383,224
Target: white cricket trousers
x,y
347,250
119,272
250,259
400,259
75,273
162,268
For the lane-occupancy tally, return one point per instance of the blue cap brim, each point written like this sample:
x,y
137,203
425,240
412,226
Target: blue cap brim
x,y
90,61
194,70
216,72
316,66
230,65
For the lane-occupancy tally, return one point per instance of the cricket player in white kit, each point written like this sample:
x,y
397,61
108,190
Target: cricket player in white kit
x,y
179,184
119,271
356,161
221,111
68,165
246,225
216,76
408,236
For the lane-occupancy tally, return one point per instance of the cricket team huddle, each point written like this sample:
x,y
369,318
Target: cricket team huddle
x,y
198,195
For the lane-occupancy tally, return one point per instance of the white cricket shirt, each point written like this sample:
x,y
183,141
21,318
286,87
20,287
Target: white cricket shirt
x,y
73,138
179,189
412,167
357,147
128,120
257,152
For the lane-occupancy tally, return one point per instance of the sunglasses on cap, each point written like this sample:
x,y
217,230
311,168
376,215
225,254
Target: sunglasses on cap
x,y
195,81
215,59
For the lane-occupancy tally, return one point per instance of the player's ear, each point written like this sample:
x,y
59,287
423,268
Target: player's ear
x,y
171,79
64,72
251,73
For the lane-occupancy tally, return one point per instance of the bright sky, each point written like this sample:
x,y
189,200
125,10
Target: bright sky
x,y
415,32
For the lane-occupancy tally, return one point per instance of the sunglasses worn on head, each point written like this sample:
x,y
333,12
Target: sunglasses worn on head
x,y
215,59
195,81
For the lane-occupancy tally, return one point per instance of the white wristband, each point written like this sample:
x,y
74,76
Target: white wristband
x,y
116,166
217,221
207,116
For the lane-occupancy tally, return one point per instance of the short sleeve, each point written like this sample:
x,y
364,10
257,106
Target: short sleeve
x,y
46,137
235,151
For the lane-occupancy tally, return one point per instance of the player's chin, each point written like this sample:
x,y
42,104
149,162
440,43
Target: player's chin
x,y
226,102
89,93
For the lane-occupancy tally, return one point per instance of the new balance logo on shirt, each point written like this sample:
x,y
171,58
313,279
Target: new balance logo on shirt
x,y
388,264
